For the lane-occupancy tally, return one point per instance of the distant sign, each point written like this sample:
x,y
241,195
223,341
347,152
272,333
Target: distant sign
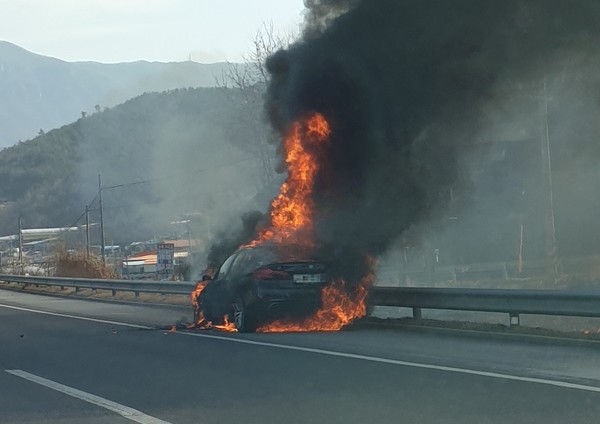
x,y
164,258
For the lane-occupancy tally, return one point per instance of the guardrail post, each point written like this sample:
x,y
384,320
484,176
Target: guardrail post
x,y
62,287
417,314
137,294
76,289
114,293
514,319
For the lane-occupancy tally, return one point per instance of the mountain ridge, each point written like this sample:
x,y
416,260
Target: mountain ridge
x,y
172,140
42,93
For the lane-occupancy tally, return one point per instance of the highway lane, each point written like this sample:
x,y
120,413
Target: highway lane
x,y
185,379
147,315
23,402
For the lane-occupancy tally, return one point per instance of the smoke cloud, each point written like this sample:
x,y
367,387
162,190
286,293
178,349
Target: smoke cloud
x,y
404,85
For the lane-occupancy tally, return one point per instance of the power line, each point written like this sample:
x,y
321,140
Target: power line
x,y
196,171
77,220
134,183
74,224
93,200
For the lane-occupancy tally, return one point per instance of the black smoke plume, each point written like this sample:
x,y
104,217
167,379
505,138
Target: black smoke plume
x,y
228,243
403,83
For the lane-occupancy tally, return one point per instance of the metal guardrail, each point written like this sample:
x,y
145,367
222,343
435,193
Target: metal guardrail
x,y
579,303
161,287
422,275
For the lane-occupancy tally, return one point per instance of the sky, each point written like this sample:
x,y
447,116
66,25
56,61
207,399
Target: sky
x,y
111,31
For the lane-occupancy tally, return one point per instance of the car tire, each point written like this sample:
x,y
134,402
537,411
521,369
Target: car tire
x,y
243,320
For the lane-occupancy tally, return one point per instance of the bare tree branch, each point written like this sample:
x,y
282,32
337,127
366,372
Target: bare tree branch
x,y
251,79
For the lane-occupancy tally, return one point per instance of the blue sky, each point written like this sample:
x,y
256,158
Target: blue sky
x,y
156,30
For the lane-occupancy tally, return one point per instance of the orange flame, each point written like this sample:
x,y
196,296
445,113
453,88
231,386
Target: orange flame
x,y
291,222
227,326
292,209
199,288
201,321
339,308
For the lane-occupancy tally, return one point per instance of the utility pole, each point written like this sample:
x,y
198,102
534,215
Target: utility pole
x,y
189,243
547,169
20,241
101,220
87,231
520,261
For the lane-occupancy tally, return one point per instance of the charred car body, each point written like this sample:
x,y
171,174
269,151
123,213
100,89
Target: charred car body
x,y
259,284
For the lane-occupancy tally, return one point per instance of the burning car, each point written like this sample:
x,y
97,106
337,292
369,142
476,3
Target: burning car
x,y
259,284
273,282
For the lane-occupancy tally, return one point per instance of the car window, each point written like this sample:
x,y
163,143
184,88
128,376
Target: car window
x,y
261,256
225,267
258,258
237,266
251,260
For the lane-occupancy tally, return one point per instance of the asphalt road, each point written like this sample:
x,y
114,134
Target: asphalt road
x,y
81,368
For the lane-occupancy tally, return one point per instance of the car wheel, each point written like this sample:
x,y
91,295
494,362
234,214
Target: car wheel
x,y
242,319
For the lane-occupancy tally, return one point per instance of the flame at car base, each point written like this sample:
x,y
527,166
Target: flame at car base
x,y
291,223
200,319
339,308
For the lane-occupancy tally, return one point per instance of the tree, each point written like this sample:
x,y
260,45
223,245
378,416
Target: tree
x,y
251,78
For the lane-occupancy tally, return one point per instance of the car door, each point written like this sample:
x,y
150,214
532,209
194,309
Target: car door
x,y
217,298
236,272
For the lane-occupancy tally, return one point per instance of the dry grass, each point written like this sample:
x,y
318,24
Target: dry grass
x,y
79,266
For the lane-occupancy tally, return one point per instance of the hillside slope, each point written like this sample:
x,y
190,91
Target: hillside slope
x,y
40,92
190,146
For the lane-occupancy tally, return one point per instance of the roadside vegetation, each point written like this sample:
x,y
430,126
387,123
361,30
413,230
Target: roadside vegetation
x,y
76,264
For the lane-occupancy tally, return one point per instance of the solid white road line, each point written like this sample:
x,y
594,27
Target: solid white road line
x,y
56,314
556,383
125,411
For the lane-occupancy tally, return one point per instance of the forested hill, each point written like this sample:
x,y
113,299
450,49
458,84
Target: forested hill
x,y
193,145
40,92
